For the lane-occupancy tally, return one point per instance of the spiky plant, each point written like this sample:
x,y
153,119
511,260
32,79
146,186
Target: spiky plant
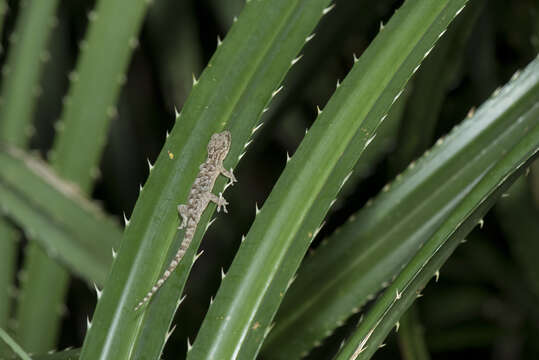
x,y
274,301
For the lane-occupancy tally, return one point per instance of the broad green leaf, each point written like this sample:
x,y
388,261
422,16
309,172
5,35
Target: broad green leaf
x,y
53,212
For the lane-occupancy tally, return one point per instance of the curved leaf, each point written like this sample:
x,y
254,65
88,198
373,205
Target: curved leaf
x,y
466,215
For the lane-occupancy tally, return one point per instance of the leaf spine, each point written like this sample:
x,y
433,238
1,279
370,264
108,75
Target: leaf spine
x,y
362,345
369,140
346,179
92,16
198,255
294,61
328,9
428,52
180,301
459,10
310,37
442,33
255,129
167,336
398,95
126,220
209,223
97,291
278,90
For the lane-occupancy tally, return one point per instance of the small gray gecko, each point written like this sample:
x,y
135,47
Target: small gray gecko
x,y
199,197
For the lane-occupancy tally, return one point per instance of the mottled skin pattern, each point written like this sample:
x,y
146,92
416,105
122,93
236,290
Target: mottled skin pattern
x,y
199,197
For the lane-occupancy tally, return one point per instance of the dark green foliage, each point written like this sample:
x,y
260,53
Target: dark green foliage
x,y
111,79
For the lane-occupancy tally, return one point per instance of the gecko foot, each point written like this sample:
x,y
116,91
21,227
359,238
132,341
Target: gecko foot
x,y
229,174
221,202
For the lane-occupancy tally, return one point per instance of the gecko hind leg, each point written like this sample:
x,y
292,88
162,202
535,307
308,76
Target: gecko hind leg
x,y
182,210
220,201
228,174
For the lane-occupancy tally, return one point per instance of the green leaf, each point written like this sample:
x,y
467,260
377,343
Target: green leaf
x,y
233,91
461,220
13,345
20,89
53,212
81,133
95,84
361,257
26,55
247,300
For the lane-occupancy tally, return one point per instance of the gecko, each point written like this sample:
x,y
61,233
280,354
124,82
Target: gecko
x,y
200,196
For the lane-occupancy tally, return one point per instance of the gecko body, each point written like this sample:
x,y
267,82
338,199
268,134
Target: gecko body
x,y
199,197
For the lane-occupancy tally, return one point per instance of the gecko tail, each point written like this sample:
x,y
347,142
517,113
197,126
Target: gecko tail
x,y
172,266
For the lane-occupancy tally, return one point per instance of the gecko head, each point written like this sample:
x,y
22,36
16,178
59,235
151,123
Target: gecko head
x,y
219,145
